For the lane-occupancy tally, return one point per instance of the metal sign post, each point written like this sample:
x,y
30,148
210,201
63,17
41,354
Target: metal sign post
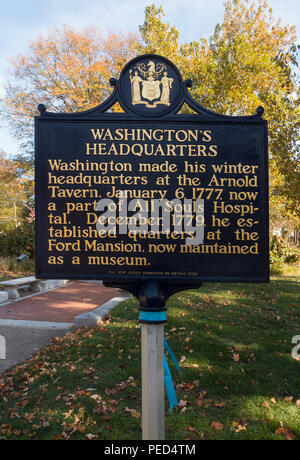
x,y
153,393
153,316
152,296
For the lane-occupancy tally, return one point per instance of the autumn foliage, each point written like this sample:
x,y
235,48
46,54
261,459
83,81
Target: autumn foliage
x,y
249,61
67,71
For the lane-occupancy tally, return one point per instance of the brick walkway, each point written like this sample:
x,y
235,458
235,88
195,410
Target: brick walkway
x,y
59,305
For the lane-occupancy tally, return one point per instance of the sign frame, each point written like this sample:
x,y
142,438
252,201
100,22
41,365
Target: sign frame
x,y
164,115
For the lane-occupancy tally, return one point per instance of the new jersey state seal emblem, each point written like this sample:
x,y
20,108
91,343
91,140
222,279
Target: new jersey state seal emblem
x,y
150,84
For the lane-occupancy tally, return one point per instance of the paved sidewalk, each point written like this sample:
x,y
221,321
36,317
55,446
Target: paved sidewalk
x,y
29,324
59,305
23,342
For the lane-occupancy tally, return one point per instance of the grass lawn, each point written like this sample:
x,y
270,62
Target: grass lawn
x,y
238,379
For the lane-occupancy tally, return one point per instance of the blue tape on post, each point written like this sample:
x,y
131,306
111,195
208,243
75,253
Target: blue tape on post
x,y
157,317
153,316
171,353
169,385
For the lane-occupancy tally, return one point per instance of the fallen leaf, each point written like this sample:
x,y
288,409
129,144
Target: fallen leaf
x,y
240,428
182,403
217,426
186,386
90,436
220,405
282,431
100,409
190,428
237,427
132,412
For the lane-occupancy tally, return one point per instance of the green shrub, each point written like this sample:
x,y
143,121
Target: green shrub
x,y
280,252
10,264
17,241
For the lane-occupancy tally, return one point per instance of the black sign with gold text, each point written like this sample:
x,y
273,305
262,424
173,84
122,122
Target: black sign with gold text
x,y
150,193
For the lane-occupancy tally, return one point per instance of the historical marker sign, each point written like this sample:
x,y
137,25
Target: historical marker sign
x,y
150,193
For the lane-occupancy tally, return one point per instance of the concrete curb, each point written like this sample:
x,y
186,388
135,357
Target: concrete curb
x,y
92,281
92,318
52,284
34,324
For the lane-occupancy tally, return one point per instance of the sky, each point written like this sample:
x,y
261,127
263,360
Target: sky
x,y
23,21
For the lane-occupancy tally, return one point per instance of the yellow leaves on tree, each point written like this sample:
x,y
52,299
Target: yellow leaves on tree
x,y
11,193
247,62
67,71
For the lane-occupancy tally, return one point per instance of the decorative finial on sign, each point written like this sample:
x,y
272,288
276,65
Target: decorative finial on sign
x,y
42,109
260,111
189,83
113,82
